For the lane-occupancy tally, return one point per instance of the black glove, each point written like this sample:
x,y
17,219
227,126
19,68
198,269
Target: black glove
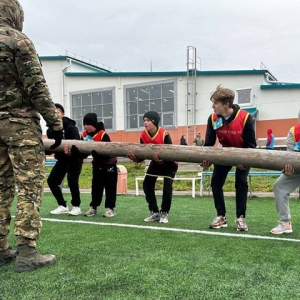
x,y
57,136
95,154
75,151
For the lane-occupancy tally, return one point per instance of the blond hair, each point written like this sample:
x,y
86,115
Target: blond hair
x,y
223,95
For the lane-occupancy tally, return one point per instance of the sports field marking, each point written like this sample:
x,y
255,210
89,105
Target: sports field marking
x,y
245,235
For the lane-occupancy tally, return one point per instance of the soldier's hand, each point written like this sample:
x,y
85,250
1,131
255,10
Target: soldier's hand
x,y
57,136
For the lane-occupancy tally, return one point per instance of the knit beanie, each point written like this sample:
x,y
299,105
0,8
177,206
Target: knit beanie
x,y
90,119
57,105
153,116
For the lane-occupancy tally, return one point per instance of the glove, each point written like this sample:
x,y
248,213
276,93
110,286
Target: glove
x,y
57,136
75,151
95,154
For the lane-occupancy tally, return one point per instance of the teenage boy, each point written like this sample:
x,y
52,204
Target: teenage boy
x,y
105,173
67,163
234,128
153,134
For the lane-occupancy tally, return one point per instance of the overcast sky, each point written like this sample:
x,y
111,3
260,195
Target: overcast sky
x,y
133,35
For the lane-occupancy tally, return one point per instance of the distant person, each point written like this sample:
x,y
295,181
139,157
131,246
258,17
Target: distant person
x,y
24,97
198,141
234,128
154,134
68,164
105,172
270,139
183,140
286,184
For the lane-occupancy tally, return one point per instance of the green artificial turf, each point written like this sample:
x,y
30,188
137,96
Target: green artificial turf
x,y
125,258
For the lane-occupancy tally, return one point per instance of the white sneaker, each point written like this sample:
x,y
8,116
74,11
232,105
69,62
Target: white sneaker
x,y
91,212
109,213
75,211
60,210
282,227
152,217
241,224
164,218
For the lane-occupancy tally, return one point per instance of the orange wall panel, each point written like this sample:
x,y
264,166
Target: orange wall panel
x,y
280,127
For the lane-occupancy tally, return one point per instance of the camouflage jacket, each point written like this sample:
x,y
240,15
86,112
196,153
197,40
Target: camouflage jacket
x,y
23,89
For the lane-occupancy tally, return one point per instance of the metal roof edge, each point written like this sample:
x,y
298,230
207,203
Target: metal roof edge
x,y
280,86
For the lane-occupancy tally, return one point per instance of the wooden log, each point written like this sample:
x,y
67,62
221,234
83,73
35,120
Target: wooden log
x,y
257,158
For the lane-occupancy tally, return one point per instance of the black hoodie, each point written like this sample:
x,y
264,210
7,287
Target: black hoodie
x,y
70,133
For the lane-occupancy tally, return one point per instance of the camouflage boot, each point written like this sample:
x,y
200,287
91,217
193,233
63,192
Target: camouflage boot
x,y
7,256
29,259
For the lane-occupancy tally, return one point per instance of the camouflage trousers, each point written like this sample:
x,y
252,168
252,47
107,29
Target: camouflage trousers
x,y
22,168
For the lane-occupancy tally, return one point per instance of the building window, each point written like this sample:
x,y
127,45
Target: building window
x,y
244,97
100,102
158,96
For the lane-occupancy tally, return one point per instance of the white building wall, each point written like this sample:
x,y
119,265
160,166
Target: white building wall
x,y
278,104
271,104
206,85
53,74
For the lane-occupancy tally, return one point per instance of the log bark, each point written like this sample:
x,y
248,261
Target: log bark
x,y
256,158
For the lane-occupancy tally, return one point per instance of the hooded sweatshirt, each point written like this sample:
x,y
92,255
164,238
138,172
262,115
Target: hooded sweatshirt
x,y
70,133
270,139
23,89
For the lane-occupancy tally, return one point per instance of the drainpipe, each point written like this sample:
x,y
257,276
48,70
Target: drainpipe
x,y
63,82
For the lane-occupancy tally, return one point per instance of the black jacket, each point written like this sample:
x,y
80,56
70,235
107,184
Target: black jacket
x,y
70,133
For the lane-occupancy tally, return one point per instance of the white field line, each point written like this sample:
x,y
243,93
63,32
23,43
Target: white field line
x,y
244,235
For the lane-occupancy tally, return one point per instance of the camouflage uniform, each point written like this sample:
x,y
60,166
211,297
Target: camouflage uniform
x,y
23,96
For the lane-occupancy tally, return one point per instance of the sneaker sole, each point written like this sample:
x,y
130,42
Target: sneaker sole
x,y
61,213
239,229
74,214
218,227
281,232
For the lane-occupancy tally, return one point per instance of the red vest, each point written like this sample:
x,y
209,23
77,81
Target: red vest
x,y
97,137
296,132
231,135
158,138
